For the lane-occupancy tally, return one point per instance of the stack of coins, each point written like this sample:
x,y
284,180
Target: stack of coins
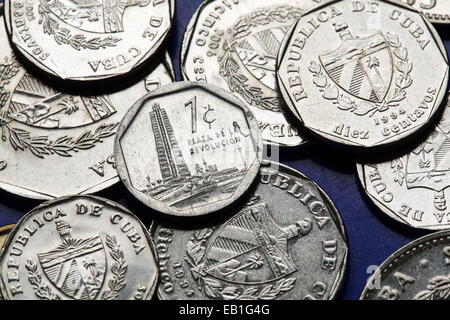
x,y
89,99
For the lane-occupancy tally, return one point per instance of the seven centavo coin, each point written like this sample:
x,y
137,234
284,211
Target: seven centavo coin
x,y
356,75
412,188
88,40
188,149
437,11
418,271
4,232
234,45
82,248
287,242
46,131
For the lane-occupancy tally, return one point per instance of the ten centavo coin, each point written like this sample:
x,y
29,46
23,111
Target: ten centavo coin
x,y
354,71
188,149
287,242
5,230
234,46
82,248
437,11
45,131
89,40
418,271
412,188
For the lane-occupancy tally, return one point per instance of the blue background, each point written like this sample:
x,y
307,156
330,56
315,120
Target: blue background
x,y
372,236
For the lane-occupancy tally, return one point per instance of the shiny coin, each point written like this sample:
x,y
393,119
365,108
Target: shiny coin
x,y
234,46
413,188
82,248
418,271
88,40
188,149
437,11
287,242
45,131
4,232
356,75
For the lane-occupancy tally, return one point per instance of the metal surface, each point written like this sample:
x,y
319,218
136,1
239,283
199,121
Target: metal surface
x,y
82,248
412,188
356,74
44,131
418,271
287,242
235,46
5,230
188,149
437,11
89,40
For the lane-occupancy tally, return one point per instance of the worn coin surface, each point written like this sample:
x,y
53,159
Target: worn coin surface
x,y
356,75
437,11
82,248
5,230
287,242
188,149
88,40
46,131
413,187
418,271
234,45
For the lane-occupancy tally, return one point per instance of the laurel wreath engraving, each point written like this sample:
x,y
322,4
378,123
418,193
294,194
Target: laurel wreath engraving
x,y
438,288
215,289
393,97
41,289
229,68
399,175
118,269
63,35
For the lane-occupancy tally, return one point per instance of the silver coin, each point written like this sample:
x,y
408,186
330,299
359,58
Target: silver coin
x,y
82,248
234,45
188,149
437,11
287,242
4,230
356,75
90,40
418,271
412,187
44,131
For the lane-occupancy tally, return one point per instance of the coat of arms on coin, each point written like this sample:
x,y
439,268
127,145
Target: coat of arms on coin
x,y
360,85
188,149
286,242
81,248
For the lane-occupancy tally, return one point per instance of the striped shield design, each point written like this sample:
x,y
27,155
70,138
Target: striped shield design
x,y
77,268
363,67
250,248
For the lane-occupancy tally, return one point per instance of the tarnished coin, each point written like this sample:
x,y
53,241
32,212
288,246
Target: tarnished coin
x,y
45,131
287,242
188,149
235,46
88,40
5,230
437,11
355,72
418,271
412,188
82,248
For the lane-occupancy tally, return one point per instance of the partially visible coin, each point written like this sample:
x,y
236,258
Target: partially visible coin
x,y
235,46
188,149
88,40
418,271
287,242
82,248
355,74
70,136
5,230
437,11
413,187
